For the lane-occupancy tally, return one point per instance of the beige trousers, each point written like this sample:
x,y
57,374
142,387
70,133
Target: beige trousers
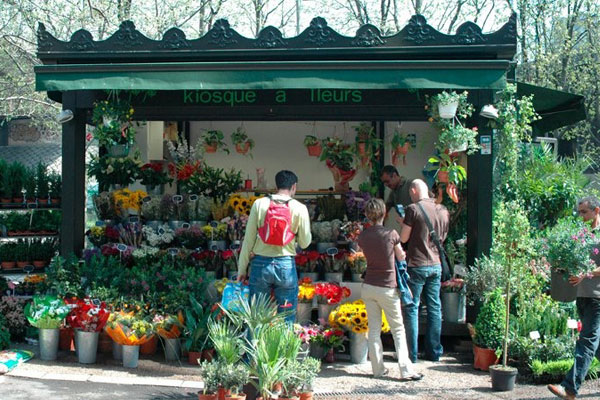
x,y
377,298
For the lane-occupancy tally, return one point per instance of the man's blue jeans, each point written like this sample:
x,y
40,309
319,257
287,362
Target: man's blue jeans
x,y
426,280
277,276
587,345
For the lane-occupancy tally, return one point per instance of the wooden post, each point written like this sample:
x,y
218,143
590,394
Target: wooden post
x,y
73,178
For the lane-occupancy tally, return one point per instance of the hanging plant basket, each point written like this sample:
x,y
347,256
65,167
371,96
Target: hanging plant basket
x,y
210,148
442,176
458,148
361,148
242,148
448,111
314,150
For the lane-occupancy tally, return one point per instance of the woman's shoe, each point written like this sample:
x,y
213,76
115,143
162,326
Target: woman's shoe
x,y
415,377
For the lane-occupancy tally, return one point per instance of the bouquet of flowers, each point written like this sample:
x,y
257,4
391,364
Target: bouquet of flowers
x,y
453,285
351,230
326,231
127,201
335,263
229,260
116,171
331,293
164,236
236,226
357,262
206,259
353,317
568,247
307,333
129,328
46,312
97,235
168,326
152,174
87,315
104,206
218,233
190,238
306,290
329,338
307,261
130,234
355,204
220,285
184,171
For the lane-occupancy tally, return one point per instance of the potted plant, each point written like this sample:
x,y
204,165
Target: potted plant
x,y
313,145
4,198
154,178
213,140
366,143
17,174
308,371
129,330
454,300
447,103
42,183
327,340
329,295
46,313
113,128
334,265
457,138
307,262
169,328
242,142
212,374
21,253
195,331
326,234
306,293
488,331
358,265
400,146
114,172
567,247
55,181
233,378
449,172
7,255
29,186
339,158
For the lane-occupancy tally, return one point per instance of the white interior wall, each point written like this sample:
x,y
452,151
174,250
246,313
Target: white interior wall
x,y
279,145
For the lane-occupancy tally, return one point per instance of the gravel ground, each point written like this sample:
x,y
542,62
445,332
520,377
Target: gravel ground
x,y
451,378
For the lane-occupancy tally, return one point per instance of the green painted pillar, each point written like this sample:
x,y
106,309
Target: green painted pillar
x,y
480,184
72,233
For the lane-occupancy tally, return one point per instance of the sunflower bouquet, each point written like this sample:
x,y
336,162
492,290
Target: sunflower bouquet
x,y
241,204
353,317
129,328
306,290
357,262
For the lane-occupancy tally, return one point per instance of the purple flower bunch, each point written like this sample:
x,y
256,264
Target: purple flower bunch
x,y
355,203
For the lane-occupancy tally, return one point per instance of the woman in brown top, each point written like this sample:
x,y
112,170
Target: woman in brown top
x,y
381,247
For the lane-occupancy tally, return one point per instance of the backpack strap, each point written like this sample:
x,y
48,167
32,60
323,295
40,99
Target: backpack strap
x,y
436,240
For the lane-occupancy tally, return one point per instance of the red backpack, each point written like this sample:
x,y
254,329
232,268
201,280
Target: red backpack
x,y
277,228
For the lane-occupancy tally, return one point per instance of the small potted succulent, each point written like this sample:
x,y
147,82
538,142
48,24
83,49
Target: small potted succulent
x,y
213,140
242,142
313,145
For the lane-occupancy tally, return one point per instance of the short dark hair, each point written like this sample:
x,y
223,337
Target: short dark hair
x,y
390,170
285,179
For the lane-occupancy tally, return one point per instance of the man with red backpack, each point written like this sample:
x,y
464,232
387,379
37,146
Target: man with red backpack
x,y
276,223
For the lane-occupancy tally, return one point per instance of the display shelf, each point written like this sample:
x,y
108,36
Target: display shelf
x,y
28,237
5,207
298,192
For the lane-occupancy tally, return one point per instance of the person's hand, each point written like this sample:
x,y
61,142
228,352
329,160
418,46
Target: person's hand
x,y
399,220
576,280
402,257
242,278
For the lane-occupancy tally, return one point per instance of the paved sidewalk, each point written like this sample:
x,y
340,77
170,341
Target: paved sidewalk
x,y
451,378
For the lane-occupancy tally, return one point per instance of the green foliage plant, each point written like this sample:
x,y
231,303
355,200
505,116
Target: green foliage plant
x,y
490,323
42,181
239,136
3,174
212,375
227,340
214,137
234,377
17,174
311,140
338,154
216,183
450,164
55,185
554,371
4,333
63,277
196,326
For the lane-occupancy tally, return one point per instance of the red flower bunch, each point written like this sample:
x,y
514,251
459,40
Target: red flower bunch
x,y
227,254
331,292
112,234
184,171
156,167
453,285
329,338
301,260
307,333
87,315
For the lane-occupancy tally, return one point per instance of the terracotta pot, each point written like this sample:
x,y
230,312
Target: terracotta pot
x,y
150,346
484,358
39,263
208,355
442,176
55,201
240,396
207,396
242,148
43,201
17,200
403,150
193,357
314,150
221,393
5,200
105,343
8,264
210,148
22,264
306,396
65,339
362,148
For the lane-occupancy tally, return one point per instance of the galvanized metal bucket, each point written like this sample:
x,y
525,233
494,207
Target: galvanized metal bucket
x,y
87,346
131,355
48,339
172,349
117,351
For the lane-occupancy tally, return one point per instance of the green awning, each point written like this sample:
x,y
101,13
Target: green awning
x,y
477,74
556,108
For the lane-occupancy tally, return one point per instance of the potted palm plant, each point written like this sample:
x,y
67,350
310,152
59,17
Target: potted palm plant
x,y
242,142
213,140
313,145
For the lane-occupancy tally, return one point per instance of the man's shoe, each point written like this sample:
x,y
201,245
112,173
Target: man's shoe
x,y
385,373
560,391
415,377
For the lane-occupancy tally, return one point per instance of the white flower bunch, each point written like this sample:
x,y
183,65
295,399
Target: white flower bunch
x,y
164,235
144,251
326,231
184,151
